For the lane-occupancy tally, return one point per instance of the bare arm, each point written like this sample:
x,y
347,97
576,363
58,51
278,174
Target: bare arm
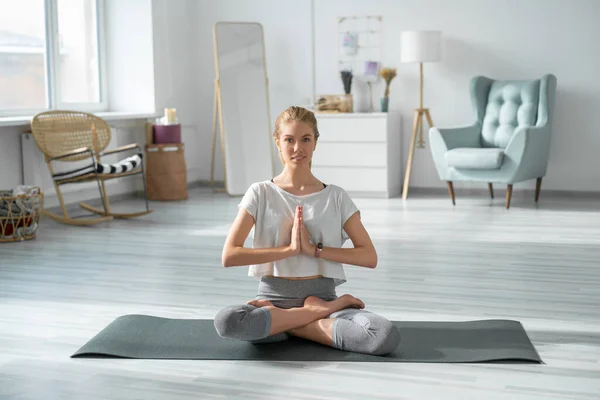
x,y
234,252
363,254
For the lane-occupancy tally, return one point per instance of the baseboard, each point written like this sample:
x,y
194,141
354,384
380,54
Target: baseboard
x,y
465,192
206,183
116,192
121,192
88,191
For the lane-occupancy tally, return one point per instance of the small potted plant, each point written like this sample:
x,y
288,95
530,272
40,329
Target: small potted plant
x,y
388,74
347,103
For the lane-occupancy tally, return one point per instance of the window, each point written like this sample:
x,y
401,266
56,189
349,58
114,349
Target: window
x,y
23,84
51,56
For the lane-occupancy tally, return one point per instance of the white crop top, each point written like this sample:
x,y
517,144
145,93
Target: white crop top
x,y
325,213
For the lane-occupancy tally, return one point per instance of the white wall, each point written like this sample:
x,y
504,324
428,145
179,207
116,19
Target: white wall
x,y
502,39
507,39
287,33
129,63
177,82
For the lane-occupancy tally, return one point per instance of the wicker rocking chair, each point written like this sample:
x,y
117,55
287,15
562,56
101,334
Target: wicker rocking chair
x,y
74,136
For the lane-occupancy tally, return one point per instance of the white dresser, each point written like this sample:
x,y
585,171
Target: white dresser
x,y
360,152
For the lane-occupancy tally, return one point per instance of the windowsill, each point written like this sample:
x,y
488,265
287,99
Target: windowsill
x,y
108,116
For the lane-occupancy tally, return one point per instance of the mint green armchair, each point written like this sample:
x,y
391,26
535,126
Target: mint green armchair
x,y
508,143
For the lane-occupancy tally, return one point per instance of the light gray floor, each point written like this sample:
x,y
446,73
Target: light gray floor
x,y
539,265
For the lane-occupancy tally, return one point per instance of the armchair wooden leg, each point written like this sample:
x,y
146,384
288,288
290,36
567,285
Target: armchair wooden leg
x,y
491,190
538,186
451,192
508,195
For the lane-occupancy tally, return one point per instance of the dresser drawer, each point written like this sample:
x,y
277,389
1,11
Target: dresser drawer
x,y
352,129
350,155
354,179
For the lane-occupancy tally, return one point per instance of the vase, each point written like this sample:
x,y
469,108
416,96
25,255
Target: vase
x,y
385,101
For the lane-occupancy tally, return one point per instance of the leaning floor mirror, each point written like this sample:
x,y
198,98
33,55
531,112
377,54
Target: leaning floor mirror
x,y
241,106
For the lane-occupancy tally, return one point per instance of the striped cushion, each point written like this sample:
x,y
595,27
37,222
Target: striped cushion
x,y
74,173
125,165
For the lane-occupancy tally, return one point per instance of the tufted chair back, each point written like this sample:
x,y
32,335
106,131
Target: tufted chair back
x,y
503,107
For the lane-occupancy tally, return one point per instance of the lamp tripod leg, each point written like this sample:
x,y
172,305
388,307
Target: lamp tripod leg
x,y
421,144
417,123
429,120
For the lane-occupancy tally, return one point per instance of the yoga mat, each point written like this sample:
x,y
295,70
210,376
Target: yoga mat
x,y
149,337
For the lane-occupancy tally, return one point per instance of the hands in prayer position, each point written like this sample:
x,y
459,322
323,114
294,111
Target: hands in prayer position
x,y
299,241
300,244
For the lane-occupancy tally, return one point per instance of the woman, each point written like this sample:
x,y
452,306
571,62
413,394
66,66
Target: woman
x,y
300,225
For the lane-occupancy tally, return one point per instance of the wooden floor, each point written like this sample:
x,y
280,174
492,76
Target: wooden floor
x,y
539,265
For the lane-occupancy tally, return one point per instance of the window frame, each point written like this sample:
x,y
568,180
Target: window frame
x,y
51,65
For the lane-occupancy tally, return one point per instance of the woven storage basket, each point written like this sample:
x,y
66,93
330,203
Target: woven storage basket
x,y
20,216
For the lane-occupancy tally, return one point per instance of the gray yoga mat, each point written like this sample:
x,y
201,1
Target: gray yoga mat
x,y
149,337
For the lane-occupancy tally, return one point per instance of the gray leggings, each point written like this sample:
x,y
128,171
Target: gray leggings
x,y
353,330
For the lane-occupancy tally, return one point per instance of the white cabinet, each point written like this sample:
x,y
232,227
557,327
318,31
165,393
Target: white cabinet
x,y
360,152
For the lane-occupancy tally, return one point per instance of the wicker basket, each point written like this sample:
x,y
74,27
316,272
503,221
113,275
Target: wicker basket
x,y
20,216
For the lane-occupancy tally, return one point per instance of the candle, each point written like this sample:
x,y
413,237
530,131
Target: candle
x,y
171,115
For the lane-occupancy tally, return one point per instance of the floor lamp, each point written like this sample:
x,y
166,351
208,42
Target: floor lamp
x,y
418,47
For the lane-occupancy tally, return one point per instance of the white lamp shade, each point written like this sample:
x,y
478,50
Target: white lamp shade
x,y
420,46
